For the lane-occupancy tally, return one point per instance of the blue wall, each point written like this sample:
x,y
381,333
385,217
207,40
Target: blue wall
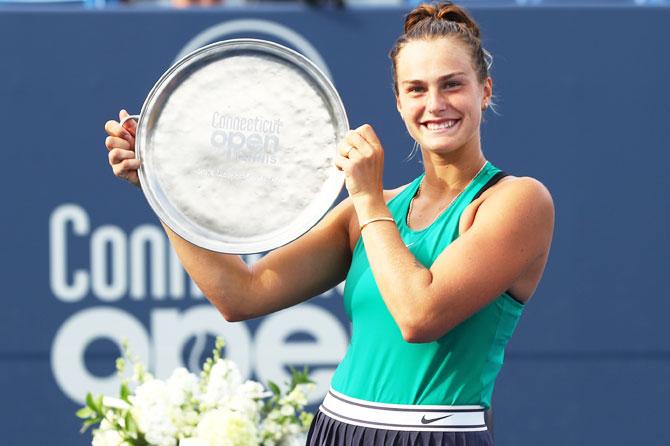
x,y
583,106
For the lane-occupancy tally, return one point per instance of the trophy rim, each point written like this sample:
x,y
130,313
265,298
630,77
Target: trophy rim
x,y
205,237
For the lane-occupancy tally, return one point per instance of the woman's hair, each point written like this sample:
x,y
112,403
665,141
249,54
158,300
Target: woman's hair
x,y
431,21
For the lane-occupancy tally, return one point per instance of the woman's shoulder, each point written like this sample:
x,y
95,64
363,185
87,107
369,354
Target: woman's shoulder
x,y
519,199
513,188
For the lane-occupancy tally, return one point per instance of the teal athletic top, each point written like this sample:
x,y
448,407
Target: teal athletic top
x,y
460,368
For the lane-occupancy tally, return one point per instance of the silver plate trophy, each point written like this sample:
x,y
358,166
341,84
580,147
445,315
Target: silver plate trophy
x,y
237,142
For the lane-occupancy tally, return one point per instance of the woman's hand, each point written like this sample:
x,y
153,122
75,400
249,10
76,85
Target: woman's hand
x,y
121,146
361,157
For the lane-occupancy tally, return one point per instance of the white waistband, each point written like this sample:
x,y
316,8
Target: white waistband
x,y
402,417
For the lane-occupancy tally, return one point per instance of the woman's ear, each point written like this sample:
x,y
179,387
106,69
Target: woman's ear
x,y
487,93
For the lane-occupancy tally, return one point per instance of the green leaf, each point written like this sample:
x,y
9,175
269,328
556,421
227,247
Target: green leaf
x,y
90,403
85,412
299,377
88,423
131,426
274,388
125,392
98,403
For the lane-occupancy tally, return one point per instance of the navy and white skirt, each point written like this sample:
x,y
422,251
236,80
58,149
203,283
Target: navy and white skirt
x,y
345,421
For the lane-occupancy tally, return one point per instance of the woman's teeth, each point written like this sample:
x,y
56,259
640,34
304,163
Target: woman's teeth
x,y
441,125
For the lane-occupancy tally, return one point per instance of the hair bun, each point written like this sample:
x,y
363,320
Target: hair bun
x,y
446,11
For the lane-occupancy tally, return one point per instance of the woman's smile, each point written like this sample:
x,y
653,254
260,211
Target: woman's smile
x,y
446,125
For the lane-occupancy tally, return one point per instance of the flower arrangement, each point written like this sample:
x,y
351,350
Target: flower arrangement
x,y
213,409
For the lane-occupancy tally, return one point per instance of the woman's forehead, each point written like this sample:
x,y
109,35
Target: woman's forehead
x,y
431,59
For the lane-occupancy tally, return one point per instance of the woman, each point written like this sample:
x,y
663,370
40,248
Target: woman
x,y
438,271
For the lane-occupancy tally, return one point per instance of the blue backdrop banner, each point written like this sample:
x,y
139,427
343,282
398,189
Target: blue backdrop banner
x,y
582,106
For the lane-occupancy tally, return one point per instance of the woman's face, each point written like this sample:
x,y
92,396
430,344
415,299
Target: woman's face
x,y
439,96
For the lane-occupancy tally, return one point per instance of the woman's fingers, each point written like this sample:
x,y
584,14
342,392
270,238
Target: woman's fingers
x,y
360,144
363,140
121,146
114,142
127,170
118,155
368,134
125,165
130,125
125,131
355,140
113,128
345,149
343,163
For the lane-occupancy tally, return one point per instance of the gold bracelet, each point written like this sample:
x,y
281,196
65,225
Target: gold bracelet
x,y
372,220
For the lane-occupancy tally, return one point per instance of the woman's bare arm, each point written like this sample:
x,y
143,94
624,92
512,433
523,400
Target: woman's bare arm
x,y
510,234
511,231
308,266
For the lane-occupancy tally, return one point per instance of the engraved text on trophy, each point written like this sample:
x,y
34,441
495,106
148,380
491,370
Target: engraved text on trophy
x,y
246,139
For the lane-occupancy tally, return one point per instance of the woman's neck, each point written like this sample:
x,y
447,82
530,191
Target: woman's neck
x,y
448,175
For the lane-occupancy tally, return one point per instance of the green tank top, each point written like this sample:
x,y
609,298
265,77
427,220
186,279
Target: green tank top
x,y
459,368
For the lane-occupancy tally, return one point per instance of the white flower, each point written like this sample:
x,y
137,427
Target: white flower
x,y
114,403
223,427
298,396
181,386
246,399
224,379
245,406
280,427
106,435
272,429
154,414
253,389
287,410
106,438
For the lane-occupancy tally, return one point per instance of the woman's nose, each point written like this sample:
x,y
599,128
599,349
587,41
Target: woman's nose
x,y
436,102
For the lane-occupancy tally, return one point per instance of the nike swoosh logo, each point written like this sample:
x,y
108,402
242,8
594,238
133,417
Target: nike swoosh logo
x,y
426,421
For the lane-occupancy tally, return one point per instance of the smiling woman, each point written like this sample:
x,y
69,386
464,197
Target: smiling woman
x,y
437,272
438,283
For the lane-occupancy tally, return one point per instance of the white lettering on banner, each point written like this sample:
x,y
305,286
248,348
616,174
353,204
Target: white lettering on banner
x,y
155,239
75,335
273,352
114,238
110,243
141,264
170,331
75,215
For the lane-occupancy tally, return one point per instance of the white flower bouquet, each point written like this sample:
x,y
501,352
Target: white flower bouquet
x,y
213,409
